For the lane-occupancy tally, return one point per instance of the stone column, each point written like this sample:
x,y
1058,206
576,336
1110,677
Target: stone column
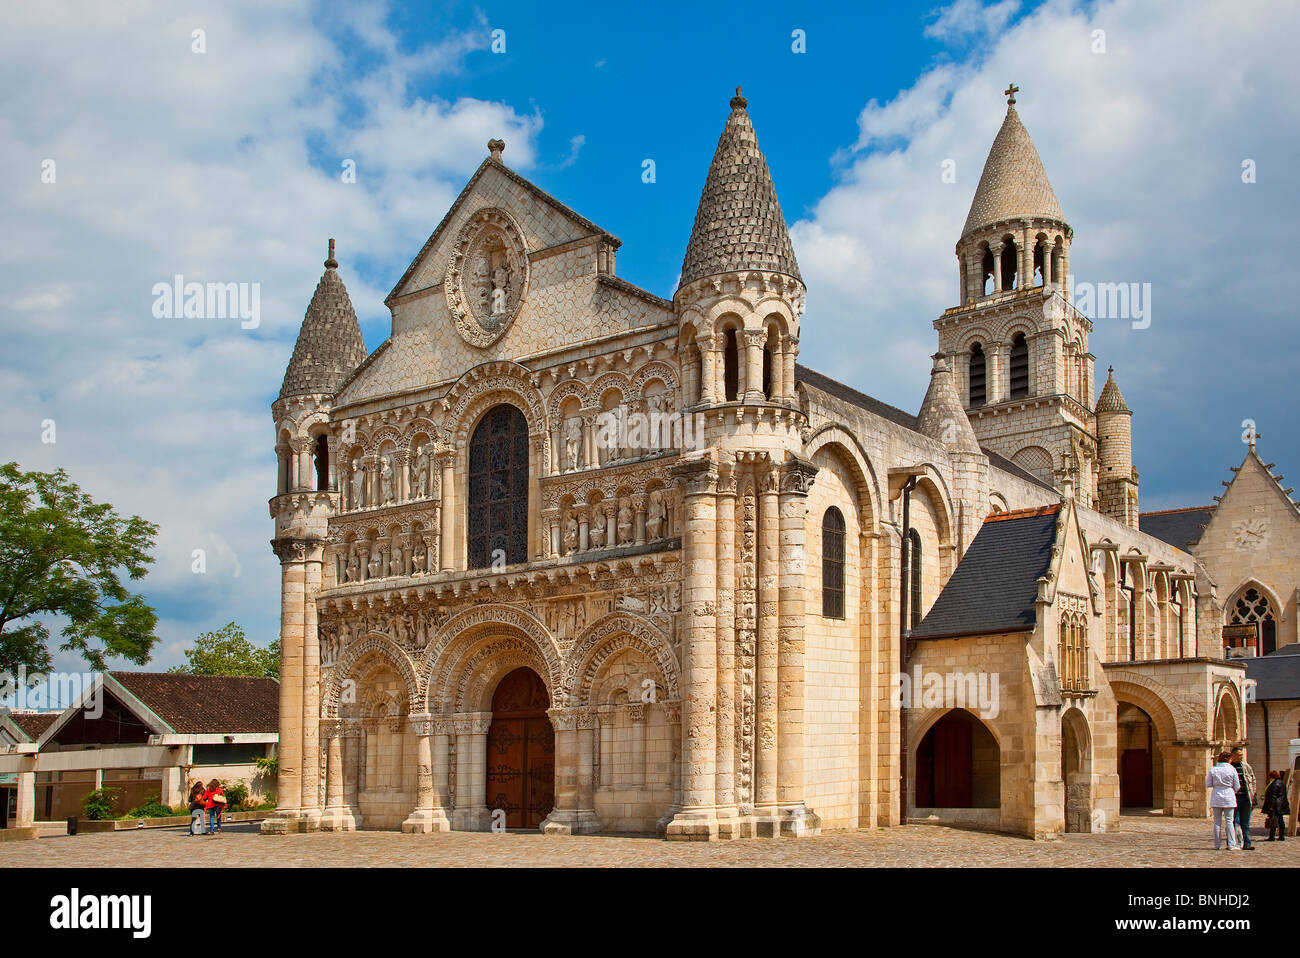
x,y
574,812
471,813
428,815
337,815
584,530
725,545
753,345
788,357
1026,260
709,371
999,372
1049,251
638,519
447,508
766,724
293,600
590,454
26,783
696,819
996,250
311,798
442,733
778,372
796,479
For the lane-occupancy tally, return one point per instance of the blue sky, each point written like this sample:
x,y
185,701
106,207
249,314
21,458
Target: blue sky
x,y
225,166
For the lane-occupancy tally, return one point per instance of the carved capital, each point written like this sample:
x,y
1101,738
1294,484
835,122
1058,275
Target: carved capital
x,y
697,476
797,476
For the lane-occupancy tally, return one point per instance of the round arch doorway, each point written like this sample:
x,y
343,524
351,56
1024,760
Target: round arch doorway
x,y
521,751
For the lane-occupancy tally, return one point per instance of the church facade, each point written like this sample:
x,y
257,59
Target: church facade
x,y
564,555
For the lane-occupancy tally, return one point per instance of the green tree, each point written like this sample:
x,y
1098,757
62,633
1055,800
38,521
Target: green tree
x,y
61,553
227,651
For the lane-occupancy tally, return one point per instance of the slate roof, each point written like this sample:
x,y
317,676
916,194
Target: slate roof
x,y
198,704
1178,527
1014,182
993,588
837,389
330,345
1277,675
738,224
33,724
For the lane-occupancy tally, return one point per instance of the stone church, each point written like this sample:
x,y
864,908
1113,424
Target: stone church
x,y
563,555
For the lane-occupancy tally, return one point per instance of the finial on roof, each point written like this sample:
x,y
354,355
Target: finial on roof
x,y
1110,370
1011,92
738,102
496,148
331,263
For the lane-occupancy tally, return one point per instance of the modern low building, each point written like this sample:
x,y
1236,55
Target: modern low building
x,y
144,734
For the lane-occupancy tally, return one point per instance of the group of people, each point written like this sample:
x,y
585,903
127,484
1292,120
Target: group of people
x,y
209,800
1234,795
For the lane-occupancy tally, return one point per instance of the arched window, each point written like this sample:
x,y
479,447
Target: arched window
x,y
1072,652
768,359
321,453
986,272
1010,263
730,367
498,489
915,569
978,391
1252,606
833,564
1019,366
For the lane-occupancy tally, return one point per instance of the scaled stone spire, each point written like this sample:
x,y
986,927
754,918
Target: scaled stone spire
x,y
942,416
1014,183
738,224
330,345
1111,399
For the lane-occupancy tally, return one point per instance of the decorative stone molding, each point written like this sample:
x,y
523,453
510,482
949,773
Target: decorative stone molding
x,y
487,276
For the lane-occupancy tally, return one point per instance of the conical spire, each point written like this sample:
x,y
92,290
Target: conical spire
x,y
942,416
1014,183
330,345
1111,399
738,224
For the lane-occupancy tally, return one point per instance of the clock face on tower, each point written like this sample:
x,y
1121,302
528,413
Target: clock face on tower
x,y
1250,533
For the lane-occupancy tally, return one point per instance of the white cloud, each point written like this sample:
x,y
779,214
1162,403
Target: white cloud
x,y
968,19
221,166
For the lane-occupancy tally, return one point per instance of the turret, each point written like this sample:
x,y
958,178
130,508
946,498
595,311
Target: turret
x,y
1117,480
740,295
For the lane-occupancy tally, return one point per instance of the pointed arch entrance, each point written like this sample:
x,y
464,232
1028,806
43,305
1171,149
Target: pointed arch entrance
x,y
521,751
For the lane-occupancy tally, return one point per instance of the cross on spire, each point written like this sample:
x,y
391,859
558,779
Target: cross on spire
x,y
1010,93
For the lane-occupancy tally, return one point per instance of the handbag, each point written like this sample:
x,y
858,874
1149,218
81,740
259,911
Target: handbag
x,y
218,799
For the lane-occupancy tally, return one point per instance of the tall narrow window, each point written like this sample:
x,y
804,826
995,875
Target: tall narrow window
x,y
321,453
1019,367
1010,263
915,569
498,489
731,367
986,269
978,392
767,370
833,564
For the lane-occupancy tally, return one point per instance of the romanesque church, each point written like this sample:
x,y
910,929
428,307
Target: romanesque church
x,y
563,555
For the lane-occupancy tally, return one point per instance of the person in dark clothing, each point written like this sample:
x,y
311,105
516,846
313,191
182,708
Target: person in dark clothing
x,y
1276,806
1247,795
196,808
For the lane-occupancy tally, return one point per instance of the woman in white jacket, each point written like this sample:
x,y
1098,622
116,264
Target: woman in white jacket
x,y
1223,782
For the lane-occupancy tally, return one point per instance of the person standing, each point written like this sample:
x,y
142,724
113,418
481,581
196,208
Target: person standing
x,y
196,808
1247,794
1222,780
214,800
1276,806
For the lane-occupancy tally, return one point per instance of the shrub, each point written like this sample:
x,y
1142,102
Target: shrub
x,y
152,808
97,806
236,796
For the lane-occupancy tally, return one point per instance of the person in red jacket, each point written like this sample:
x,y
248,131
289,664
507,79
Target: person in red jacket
x,y
214,801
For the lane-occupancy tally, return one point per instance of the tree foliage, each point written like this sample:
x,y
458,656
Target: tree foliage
x,y
62,554
227,651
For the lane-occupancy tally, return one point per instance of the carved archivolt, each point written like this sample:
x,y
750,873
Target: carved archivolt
x,y
611,634
373,644
443,661
654,370
485,386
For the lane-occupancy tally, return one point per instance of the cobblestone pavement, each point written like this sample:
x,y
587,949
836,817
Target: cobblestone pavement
x,y
1148,841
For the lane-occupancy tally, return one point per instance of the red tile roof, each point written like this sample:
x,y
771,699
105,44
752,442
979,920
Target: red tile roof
x,y
207,704
33,723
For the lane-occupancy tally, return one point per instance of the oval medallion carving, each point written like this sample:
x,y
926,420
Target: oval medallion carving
x,y
487,276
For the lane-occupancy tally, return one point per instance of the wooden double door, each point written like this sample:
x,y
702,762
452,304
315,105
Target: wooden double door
x,y
521,751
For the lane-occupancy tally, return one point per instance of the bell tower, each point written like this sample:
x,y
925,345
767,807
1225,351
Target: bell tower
x,y
1017,346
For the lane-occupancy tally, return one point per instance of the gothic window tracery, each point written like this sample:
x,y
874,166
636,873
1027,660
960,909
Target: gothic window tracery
x,y
1252,606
